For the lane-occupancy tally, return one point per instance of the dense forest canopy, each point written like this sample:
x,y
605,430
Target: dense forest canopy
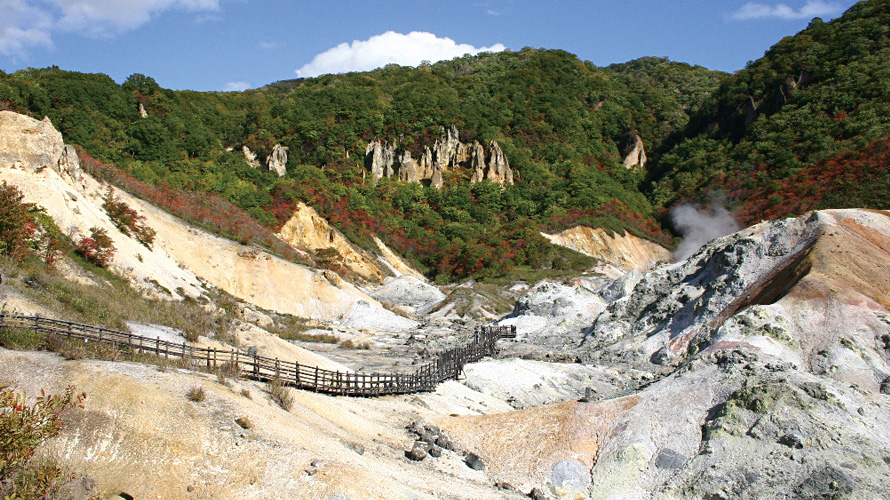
x,y
818,101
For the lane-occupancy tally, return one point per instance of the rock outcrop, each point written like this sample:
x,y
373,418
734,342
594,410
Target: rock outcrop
x,y
250,157
276,162
637,154
309,231
383,160
621,252
409,292
33,145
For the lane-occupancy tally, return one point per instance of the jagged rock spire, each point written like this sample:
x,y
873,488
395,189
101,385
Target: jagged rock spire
x,y
448,153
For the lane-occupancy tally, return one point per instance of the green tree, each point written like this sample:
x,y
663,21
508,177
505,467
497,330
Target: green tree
x,y
15,225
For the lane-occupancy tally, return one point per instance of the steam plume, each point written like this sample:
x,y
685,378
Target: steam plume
x,y
699,226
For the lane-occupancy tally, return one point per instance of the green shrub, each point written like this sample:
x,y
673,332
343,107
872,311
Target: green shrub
x,y
21,338
23,428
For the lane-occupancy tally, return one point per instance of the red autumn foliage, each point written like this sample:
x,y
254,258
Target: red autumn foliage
x,y
97,248
854,179
203,209
128,220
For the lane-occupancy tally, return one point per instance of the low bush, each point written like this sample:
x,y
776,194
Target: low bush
x,y
128,220
196,394
23,427
98,248
281,395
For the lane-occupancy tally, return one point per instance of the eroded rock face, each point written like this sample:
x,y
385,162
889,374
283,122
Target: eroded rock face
x,y
379,159
621,251
411,292
382,160
308,230
250,157
408,169
35,145
449,151
277,161
498,169
555,314
637,154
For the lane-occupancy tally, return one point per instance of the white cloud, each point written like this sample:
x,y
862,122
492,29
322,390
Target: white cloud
x,y
390,47
26,24
23,26
813,8
236,86
268,45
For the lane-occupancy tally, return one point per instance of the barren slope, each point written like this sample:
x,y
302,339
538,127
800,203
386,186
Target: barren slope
x,y
183,258
774,349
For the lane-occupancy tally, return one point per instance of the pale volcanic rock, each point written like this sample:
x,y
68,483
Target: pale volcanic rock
x,y
477,162
391,260
409,291
364,315
277,161
250,157
380,157
637,154
138,433
554,314
382,160
770,352
34,145
808,280
310,231
408,168
624,251
498,168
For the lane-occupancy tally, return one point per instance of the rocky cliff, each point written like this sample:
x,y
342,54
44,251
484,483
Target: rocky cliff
x,y
382,159
637,153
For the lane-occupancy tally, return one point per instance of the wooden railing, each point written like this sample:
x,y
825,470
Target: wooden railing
x,y
447,365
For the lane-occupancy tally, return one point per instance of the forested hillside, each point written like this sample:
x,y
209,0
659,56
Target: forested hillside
x,y
816,102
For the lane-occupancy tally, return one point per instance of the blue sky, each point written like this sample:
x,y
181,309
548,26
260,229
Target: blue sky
x,y
236,44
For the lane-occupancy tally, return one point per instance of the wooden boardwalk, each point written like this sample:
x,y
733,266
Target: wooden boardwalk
x,y
447,365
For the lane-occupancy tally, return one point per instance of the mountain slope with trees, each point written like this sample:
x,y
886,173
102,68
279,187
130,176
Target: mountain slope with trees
x,y
815,101
819,100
